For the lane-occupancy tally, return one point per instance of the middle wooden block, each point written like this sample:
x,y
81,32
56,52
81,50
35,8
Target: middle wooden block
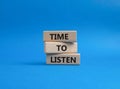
x,y
60,47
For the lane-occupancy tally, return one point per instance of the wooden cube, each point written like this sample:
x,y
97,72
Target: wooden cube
x,y
60,47
73,58
61,36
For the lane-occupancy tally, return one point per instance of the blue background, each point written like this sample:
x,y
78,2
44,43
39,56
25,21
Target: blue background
x,y
22,58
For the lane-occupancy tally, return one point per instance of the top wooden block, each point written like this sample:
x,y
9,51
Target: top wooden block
x,y
61,36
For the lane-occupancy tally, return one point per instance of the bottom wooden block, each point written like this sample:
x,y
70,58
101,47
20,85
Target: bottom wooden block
x,y
73,58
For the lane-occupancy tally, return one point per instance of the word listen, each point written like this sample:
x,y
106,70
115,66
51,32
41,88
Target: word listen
x,y
72,58
63,36
63,59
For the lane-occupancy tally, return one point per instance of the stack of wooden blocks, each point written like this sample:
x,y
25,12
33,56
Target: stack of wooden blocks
x,y
61,47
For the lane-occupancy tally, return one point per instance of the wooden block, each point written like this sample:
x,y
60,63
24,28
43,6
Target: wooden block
x,y
61,36
73,58
60,47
